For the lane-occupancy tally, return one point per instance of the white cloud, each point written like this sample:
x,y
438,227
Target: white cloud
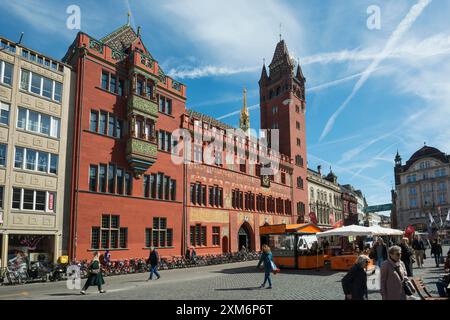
x,y
232,31
206,71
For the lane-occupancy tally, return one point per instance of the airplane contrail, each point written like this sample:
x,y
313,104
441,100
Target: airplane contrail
x,y
401,29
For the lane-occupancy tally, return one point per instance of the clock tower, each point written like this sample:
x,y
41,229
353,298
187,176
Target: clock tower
x,y
283,108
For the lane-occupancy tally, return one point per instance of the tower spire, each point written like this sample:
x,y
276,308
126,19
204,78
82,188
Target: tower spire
x,y
244,121
129,18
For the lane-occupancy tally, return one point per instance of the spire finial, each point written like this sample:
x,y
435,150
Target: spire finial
x,y
245,100
280,32
264,61
129,18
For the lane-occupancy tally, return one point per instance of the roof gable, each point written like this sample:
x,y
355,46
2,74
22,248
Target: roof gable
x,y
123,38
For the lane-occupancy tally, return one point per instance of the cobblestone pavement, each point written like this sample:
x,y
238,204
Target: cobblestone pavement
x,y
237,281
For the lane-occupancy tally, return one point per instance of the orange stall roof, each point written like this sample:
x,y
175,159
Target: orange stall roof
x,y
308,228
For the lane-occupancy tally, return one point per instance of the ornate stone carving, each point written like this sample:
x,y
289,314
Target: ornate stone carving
x,y
96,45
176,85
143,105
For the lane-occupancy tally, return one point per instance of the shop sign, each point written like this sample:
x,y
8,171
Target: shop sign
x,y
51,201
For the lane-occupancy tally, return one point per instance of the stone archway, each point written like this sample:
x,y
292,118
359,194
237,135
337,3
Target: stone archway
x,y
245,237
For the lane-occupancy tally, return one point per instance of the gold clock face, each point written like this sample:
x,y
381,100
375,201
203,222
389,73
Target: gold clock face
x,y
266,181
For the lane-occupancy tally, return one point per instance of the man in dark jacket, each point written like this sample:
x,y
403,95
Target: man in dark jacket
x,y
407,256
153,259
419,250
379,252
354,282
436,250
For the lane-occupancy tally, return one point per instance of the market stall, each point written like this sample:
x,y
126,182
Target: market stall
x,y
294,246
342,254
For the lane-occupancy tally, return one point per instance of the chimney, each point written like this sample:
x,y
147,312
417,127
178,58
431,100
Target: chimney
x,y
319,169
139,31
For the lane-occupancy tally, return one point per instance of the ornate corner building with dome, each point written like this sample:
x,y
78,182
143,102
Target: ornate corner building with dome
x,y
421,187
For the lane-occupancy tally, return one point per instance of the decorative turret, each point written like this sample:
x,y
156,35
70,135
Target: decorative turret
x,y
244,121
331,177
264,76
398,160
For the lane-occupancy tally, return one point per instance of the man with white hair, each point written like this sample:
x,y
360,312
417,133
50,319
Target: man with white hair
x,y
354,282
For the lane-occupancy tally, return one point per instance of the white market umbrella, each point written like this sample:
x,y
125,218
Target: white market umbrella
x,y
347,231
381,231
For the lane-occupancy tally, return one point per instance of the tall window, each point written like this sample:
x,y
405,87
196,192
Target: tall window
x,y
165,105
164,141
103,122
4,113
120,90
108,124
216,236
93,121
111,178
105,80
198,235
300,182
93,178
102,178
109,235
161,235
120,177
6,73
299,160
128,183
40,85
3,151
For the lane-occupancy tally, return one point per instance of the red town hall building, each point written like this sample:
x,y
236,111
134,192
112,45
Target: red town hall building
x,y
126,192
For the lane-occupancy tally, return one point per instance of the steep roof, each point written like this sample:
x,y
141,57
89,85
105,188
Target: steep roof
x,y
121,39
281,55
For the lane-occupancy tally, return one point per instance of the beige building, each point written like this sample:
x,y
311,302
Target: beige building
x,y
34,113
325,200
421,187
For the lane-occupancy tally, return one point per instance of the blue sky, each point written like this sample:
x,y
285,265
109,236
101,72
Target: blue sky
x,y
395,80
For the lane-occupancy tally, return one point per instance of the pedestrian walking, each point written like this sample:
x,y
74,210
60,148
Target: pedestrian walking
x,y
393,275
407,256
95,277
193,253
153,260
354,283
436,250
267,259
419,250
379,252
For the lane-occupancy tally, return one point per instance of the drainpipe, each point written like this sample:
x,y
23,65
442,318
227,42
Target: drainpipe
x,y
76,151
